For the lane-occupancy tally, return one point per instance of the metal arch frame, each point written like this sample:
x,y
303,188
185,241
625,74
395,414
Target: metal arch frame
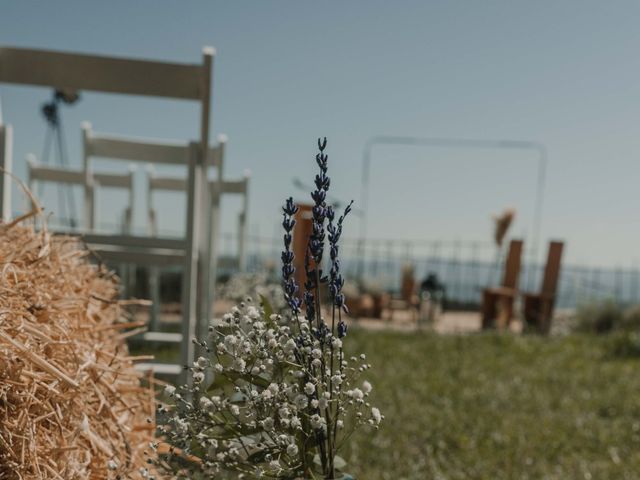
x,y
193,82
537,147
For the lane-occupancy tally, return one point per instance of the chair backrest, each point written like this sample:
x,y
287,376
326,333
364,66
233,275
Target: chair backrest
x,y
91,182
512,265
143,150
552,269
408,283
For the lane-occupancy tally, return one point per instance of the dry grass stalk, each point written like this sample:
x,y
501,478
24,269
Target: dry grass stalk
x,y
71,401
501,225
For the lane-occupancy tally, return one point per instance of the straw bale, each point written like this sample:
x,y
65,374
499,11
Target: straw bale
x,y
72,406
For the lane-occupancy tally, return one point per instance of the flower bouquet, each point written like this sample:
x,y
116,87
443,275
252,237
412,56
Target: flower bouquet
x,y
274,395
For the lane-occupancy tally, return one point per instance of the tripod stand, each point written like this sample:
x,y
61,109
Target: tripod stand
x,y
54,142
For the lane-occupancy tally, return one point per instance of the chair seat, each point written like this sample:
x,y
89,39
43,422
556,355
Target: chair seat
x,y
502,292
537,296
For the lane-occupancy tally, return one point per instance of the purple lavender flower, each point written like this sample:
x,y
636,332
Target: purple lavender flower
x,y
336,281
288,282
321,213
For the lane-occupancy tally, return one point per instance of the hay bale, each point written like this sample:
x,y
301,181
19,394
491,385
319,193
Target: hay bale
x,y
72,406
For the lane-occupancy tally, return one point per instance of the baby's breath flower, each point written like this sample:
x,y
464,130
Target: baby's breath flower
x,y
301,402
239,364
268,424
295,422
202,362
376,416
169,390
356,394
292,449
205,403
317,422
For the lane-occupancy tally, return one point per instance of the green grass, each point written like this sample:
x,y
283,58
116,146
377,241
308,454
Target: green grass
x,y
498,407
492,406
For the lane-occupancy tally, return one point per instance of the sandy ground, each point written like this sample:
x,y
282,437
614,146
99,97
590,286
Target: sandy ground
x,y
448,322
452,322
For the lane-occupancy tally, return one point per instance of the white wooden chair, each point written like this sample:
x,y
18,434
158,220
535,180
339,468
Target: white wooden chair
x,y
192,82
217,189
157,152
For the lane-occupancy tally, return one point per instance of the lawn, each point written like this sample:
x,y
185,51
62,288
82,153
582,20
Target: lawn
x,y
491,406
499,407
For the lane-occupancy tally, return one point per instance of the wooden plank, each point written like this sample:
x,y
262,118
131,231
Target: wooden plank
x,y
203,292
149,257
6,164
135,241
45,173
242,227
72,71
190,282
162,337
160,368
136,150
114,180
170,184
143,150
176,184
512,265
231,186
552,269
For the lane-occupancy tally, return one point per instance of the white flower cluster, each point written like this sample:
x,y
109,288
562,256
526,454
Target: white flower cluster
x,y
282,392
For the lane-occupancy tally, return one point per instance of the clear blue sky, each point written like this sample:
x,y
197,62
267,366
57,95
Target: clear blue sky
x,y
565,74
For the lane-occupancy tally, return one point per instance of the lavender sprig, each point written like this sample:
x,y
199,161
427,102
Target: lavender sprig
x,y
316,240
336,280
288,281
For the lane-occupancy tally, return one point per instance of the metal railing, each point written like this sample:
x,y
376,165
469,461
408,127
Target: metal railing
x,y
464,267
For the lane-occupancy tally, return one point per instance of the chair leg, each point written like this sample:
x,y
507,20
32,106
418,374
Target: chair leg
x,y
544,318
505,312
488,309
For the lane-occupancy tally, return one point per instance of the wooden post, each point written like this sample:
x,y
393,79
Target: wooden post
x,y
190,275
89,209
212,230
199,238
242,227
6,161
301,233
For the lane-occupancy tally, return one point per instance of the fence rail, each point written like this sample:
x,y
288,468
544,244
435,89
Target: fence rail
x,y
464,267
